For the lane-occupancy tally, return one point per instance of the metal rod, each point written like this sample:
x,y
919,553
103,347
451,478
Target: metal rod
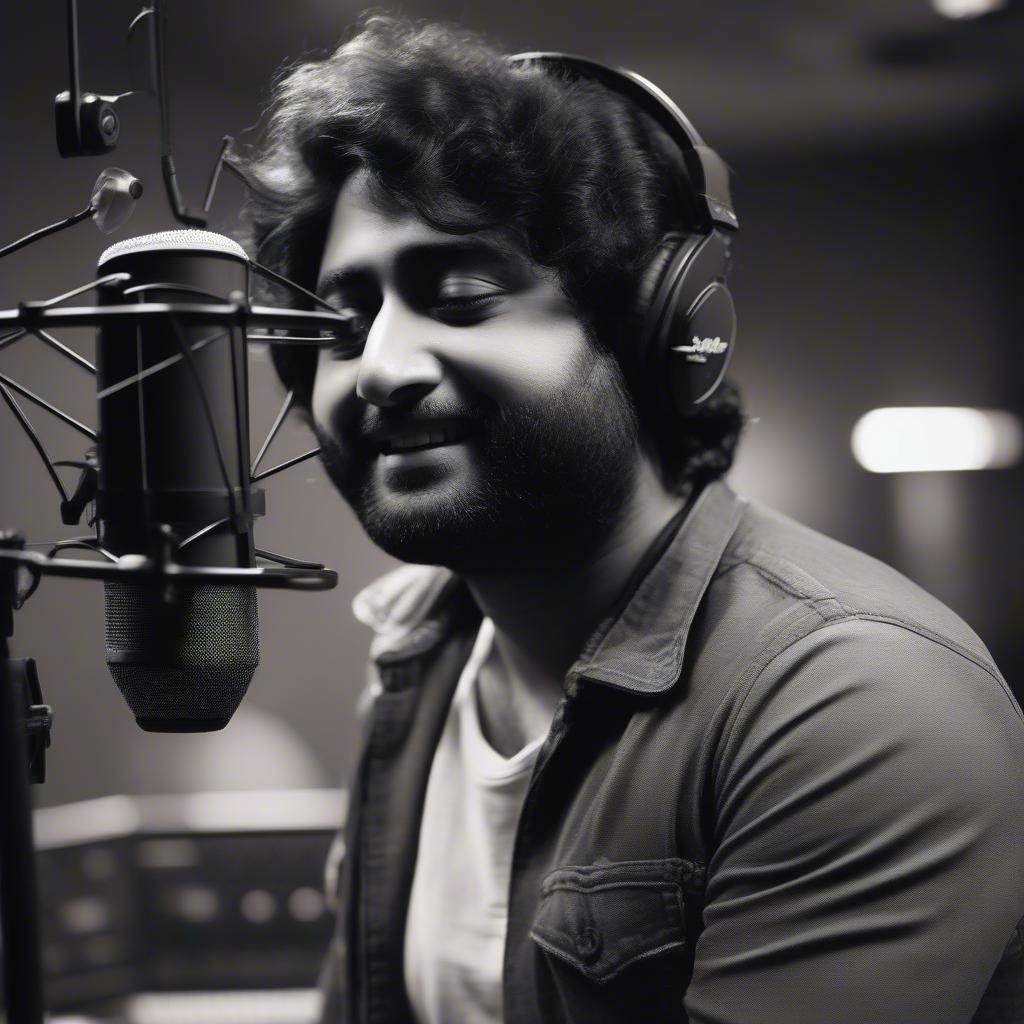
x,y
286,406
26,425
12,336
240,394
171,286
19,918
155,368
99,282
161,81
284,578
289,339
237,171
170,173
285,465
211,188
74,89
205,530
140,404
275,276
50,229
89,543
78,360
32,397
207,413
267,317
285,560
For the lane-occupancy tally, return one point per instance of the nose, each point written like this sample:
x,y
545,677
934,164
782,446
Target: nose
x,y
396,367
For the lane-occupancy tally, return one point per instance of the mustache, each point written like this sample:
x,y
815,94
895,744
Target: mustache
x,y
379,419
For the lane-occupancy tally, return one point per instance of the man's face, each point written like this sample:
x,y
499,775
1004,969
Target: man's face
x,y
479,426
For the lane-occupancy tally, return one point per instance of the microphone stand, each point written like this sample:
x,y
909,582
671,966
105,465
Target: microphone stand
x,y
24,734
24,719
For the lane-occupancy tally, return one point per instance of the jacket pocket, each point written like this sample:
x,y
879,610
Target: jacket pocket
x,y
603,918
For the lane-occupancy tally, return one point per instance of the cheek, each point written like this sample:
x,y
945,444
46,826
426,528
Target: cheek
x,y
512,359
333,388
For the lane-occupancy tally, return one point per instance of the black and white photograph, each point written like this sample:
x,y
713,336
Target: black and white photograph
x,y
511,513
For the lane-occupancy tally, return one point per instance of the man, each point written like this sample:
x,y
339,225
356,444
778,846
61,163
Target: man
x,y
638,750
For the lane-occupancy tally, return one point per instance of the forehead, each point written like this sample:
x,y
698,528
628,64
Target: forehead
x,y
364,236
361,233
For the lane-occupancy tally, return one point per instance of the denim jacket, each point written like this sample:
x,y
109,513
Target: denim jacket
x,y
784,785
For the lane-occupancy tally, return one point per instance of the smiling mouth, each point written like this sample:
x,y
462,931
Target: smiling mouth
x,y
422,440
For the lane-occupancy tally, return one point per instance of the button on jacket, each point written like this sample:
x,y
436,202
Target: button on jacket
x,y
784,786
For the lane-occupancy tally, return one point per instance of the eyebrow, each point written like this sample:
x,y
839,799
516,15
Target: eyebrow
x,y
338,278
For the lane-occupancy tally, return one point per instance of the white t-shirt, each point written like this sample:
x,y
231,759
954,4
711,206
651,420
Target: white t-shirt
x,y
458,909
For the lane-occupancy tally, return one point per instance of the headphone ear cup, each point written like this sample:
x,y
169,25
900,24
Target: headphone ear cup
x,y
690,323
651,279
641,361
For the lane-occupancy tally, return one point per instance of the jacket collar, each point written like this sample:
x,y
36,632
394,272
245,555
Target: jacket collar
x,y
638,648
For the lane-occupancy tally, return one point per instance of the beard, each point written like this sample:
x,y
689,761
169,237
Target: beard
x,y
537,482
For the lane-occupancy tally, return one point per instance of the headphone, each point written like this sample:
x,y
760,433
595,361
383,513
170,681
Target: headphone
x,y
685,309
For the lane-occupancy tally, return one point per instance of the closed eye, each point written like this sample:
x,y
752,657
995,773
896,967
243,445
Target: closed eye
x,y
469,309
465,286
461,298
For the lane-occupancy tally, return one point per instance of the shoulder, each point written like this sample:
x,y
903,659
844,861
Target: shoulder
x,y
860,697
847,666
834,581
851,763
779,581
805,640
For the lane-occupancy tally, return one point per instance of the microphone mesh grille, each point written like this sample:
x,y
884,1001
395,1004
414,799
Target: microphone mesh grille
x,y
184,240
182,665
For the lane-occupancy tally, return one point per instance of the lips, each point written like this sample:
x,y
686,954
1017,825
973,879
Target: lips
x,y
419,437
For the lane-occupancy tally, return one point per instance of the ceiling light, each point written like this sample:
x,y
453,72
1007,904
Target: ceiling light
x,y
967,8
922,440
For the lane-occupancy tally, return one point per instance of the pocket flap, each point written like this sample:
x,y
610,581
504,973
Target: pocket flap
x,y
600,918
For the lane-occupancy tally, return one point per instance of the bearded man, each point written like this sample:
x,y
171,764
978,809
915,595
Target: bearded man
x,y
637,749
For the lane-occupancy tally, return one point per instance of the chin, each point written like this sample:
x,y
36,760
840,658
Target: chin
x,y
433,525
540,485
422,477
469,535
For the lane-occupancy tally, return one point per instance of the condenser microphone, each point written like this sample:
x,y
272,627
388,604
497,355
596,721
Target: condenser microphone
x,y
173,468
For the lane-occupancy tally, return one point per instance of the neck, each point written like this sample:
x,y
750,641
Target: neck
x,y
544,613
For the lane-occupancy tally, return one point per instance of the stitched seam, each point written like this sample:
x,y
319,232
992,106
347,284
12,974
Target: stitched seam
x,y
678,642
691,875
943,641
911,625
615,864
788,587
772,650
605,886
914,628
602,977
724,567
627,677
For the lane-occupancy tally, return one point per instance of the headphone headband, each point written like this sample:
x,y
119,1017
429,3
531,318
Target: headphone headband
x,y
707,170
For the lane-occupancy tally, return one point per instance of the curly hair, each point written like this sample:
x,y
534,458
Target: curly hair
x,y
575,177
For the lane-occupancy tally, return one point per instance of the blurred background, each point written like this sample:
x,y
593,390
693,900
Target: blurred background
x,y
878,159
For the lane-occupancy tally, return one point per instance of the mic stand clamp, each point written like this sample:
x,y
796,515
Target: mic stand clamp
x,y
38,716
